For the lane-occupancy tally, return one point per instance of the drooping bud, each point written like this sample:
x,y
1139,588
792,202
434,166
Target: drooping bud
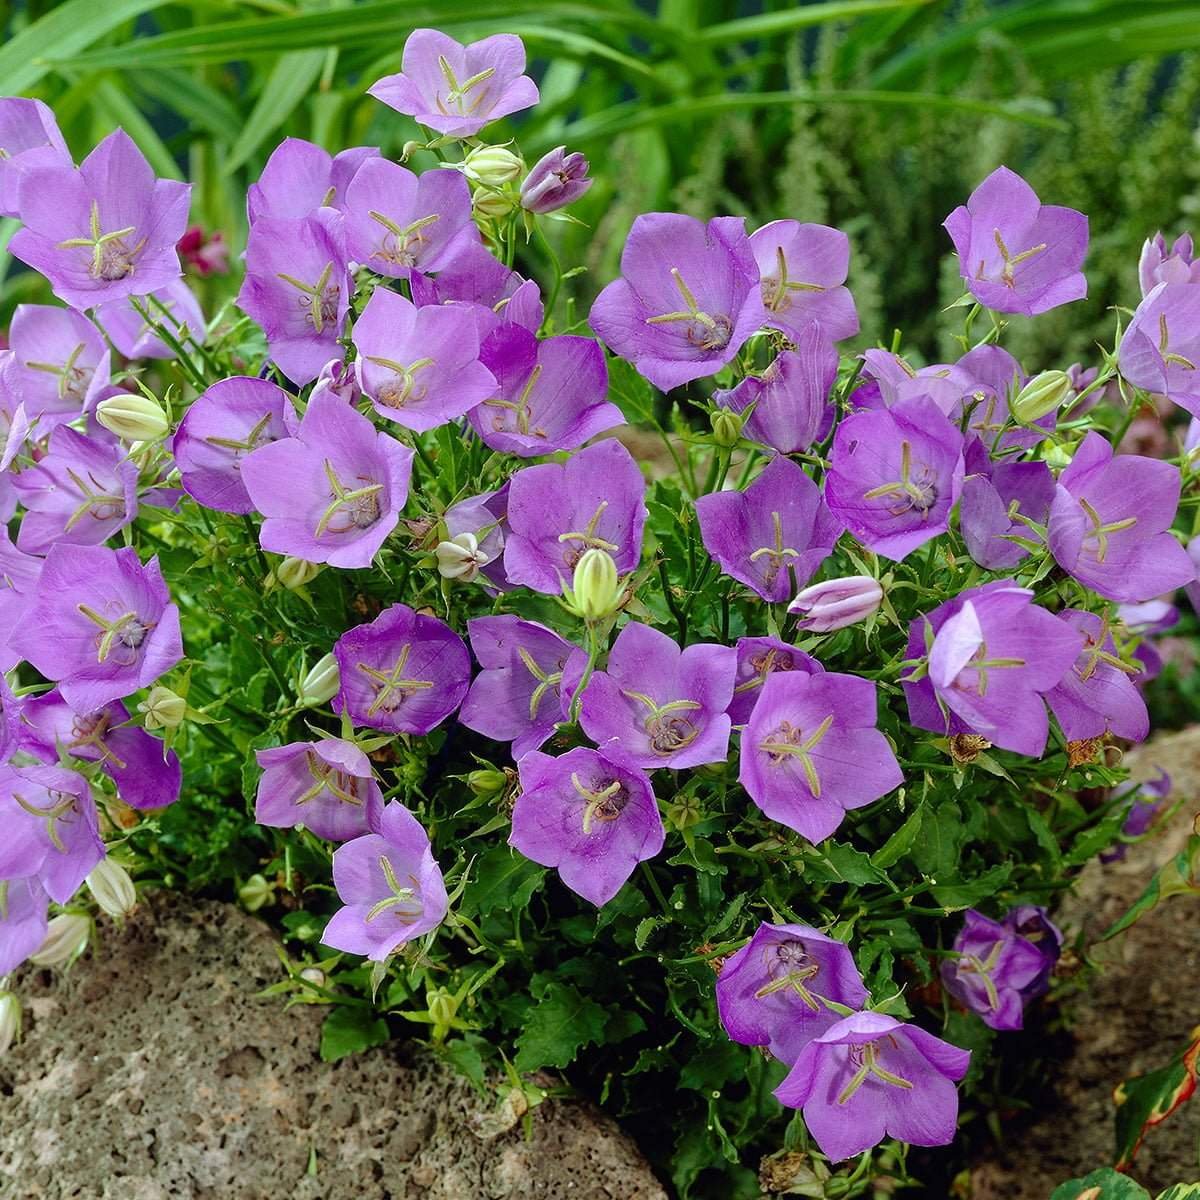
x,y
489,781
294,573
460,557
836,603
10,1021
492,166
726,427
255,892
321,683
112,888
135,418
557,179
67,937
595,587
162,709
1043,394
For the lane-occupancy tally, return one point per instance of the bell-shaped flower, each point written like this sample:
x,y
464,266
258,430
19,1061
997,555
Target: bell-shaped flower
x,y
457,89
301,177
811,752
773,992
758,657
687,299
590,814
327,786
24,911
223,425
103,231
999,507
555,180
332,493
557,511
549,395
1158,265
403,672
102,624
390,887
869,1077
774,535
992,654
398,222
1160,349
659,706
1098,694
29,135
518,696
803,270
419,366
895,476
495,294
1015,254
1110,522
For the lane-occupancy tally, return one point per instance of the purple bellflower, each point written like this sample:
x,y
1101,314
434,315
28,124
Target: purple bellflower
x,y
556,180
103,231
332,493
18,580
518,696
23,920
992,508
398,222
103,624
59,365
590,814
298,289
300,178
835,603
419,366
28,136
229,421
772,992
895,476
132,758
992,654
50,826
1160,349
659,706
327,786
774,535
811,751
888,379
1146,802
457,89
338,380
1110,522
1015,254
132,334
390,886
402,673
596,499
758,657
687,299
792,409
1160,265
549,394
1098,694
494,294
869,1077
1032,922
994,970
83,491
803,268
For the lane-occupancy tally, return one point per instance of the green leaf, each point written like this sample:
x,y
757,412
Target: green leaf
x,y
562,1023
963,895
503,879
850,865
793,17
1148,1100
1104,1184
348,1030
1181,1191
899,844
292,78
464,1056
1179,877
936,851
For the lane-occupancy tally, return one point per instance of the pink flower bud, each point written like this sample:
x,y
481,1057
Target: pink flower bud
x,y
557,179
836,603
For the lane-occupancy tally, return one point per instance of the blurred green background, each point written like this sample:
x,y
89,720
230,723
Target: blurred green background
x,y
874,115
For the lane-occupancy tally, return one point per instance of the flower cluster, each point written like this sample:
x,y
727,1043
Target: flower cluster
x,y
883,575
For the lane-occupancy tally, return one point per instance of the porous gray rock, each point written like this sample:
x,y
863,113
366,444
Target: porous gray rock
x,y
152,1071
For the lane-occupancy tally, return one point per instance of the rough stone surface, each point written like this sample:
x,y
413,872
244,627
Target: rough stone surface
x,y
152,1072
1134,1018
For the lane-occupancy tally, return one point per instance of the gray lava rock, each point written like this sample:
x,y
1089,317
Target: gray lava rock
x,y
152,1072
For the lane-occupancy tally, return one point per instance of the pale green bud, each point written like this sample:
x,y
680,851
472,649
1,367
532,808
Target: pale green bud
x,y
135,418
1058,457
726,427
492,166
112,888
10,1021
494,206
321,683
255,892
162,709
595,585
1043,394
294,573
487,782
67,937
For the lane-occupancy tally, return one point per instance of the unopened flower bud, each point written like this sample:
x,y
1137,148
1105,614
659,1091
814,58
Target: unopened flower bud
x,y
67,937
162,709
135,418
321,683
112,888
10,1021
1043,394
595,586
409,149
1058,457
494,206
294,573
836,603
255,892
557,179
492,166
726,427
313,975
488,781
460,557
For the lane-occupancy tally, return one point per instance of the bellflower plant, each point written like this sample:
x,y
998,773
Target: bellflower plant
x,y
639,674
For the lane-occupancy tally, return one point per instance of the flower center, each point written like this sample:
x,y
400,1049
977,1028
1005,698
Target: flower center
x,y
257,436
61,806
326,778
120,639
317,301
600,803
89,731
791,969
777,555
519,408
913,493
547,680
764,664
667,725
587,538
788,742
72,379
1009,262
356,508
404,902
458,97
866,1059
704,330
982,968
403,387
777,288
1100,530
401,244
1168,356
111,257
392,688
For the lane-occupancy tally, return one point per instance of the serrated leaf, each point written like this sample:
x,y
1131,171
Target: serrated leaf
x,y
645,928
503,879
347,1030
968,892
558,1027
1104,1184
899,844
